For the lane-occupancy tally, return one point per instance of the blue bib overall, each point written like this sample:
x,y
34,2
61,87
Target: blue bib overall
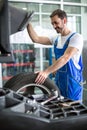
x,y
69,78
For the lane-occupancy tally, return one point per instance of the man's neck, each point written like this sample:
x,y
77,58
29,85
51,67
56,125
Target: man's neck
x,y
65,32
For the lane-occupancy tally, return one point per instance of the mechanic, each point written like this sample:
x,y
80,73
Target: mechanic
x,y
68,54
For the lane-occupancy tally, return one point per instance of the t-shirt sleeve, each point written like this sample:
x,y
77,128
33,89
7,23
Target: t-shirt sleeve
x,y
53,38
76,41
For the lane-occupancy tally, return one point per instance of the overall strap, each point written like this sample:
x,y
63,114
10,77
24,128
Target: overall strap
x,y
67,41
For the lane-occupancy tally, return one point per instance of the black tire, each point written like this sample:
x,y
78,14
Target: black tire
x,y
28,79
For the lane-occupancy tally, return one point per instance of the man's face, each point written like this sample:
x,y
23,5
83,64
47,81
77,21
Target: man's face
x,y
58,24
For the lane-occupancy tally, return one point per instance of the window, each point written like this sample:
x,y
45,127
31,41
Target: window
x,y
72,9
48,8
74,1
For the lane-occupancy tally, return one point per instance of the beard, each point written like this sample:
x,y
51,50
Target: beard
x,y
59,30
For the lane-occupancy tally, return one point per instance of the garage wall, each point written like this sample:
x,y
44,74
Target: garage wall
x,y
85,71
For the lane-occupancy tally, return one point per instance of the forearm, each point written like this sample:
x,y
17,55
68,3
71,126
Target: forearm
x,y
36,38
33,35
57,65
62,60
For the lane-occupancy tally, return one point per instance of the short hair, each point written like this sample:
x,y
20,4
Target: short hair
x,y
60,13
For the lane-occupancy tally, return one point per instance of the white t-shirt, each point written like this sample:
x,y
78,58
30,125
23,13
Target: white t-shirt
x,y
75,41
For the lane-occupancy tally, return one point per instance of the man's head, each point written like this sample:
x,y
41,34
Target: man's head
x,y
58,20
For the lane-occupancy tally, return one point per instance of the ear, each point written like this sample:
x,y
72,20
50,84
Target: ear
x,y
65,20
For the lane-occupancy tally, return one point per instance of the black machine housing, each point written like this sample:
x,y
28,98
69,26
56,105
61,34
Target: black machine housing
x,y
24,113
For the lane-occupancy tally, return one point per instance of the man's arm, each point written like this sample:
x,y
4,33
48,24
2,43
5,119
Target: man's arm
x,y
35,38
70,51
